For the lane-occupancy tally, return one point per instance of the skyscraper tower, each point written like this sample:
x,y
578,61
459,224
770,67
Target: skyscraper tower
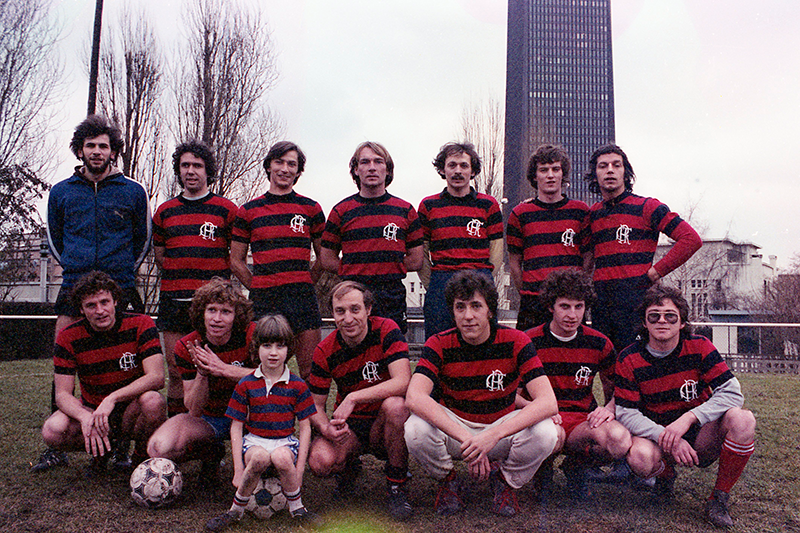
x,y
559,87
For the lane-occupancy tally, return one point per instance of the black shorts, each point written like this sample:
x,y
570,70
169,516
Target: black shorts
x,y
362,428
173,315
130,299
390,300
115,418
531,312
298,303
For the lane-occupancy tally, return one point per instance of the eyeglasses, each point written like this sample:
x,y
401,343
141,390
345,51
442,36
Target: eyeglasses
x,y
654,317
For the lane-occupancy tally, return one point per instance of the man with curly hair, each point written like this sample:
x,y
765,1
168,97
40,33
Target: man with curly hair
x,y
191,238
211,361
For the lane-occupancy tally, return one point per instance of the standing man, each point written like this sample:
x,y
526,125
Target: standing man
x,y
118,361
572,354
191,237
281,227
545,233
462,230
367,358
378,235
624,235
682,404
97,219
462,397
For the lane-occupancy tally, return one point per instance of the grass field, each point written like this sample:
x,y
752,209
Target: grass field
x,y
767,498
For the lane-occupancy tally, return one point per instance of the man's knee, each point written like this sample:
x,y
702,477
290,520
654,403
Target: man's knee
x,y
617,439
152,405
740,423
55,429
643,457
322,458
417,432
395,410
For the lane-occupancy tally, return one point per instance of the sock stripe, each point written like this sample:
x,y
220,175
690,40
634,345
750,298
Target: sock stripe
x,y
739,449
292,496
240,501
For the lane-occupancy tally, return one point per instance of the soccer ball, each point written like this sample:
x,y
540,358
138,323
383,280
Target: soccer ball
x,y
267,498
156,483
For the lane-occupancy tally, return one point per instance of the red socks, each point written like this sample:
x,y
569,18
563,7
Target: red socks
x,y
732,460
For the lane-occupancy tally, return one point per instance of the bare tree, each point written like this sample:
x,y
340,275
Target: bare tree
x,y
30,74
483,124
221,89
130,89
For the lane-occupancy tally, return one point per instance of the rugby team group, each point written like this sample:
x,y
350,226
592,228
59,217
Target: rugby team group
x,y
504,401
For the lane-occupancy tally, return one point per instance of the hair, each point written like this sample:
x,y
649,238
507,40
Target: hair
x,y
90,284
94,126
591,175
344,287
281,148
570,283
272,328
220,291
465,283
656,295
198,149
453,148
545,154
378,149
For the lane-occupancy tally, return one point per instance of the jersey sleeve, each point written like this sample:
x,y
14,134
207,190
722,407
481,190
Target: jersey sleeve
x,y
149,343
414,233
317,222
305,406
319,380
394,344
514,237
237,406
687,241
241,226
494,221
331,237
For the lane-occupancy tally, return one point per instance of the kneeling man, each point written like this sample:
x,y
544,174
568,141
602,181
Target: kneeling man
x,y
682,404
211,360
572,354
367,357
120,367
475,370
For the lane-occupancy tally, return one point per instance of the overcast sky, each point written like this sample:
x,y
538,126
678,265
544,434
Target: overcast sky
x,y
706,95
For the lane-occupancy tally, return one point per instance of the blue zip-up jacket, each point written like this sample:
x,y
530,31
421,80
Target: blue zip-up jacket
x,y
103,226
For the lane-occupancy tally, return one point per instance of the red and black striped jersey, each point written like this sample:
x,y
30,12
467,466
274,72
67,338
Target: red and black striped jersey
x,y
548,237
459,229
664,388
374,235
624,237
358,367
280,230
196,235
270,414
479,383
106,361
571,366
235,352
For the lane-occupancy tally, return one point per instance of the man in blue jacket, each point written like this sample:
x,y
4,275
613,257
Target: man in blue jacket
x,y
97,219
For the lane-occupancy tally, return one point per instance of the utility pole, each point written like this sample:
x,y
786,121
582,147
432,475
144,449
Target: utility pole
x,y
94,67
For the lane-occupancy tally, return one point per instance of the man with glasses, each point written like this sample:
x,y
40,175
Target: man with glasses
x,y
681,403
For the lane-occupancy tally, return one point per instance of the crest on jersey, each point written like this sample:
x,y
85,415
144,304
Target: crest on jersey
x,y
474,227
494,381
127,361
370,372
624,234
298,223
689,390
568,238
582,376
390,231
208,232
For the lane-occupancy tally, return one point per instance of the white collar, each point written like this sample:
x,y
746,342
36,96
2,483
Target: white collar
x,y
284,377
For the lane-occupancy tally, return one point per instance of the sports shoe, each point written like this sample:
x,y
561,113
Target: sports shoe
x,y
209,469
664,488
119,458
346,479
505,501
620,472
49,459
305,517
717,509
221,522
448,501
399,507
575,472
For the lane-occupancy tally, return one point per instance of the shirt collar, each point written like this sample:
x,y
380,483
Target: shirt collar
x,y
283,379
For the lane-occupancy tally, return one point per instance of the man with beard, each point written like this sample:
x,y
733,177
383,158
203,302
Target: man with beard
x,y
97,219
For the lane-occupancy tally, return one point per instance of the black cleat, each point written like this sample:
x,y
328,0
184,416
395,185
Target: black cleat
x,y
49,459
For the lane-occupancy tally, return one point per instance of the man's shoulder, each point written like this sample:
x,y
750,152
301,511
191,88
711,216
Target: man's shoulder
x,y
508,334
141,321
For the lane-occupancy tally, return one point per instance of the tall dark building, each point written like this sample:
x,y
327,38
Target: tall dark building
x,y
559,87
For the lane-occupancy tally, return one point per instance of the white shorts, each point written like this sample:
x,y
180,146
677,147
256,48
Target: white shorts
x,y
271,445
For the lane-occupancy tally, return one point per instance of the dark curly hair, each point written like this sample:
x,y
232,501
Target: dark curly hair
x,y
220,291
591,175
656,295
453,148
94,126
198,149
570,283
465,283
378,149
546,154
281,148
92,283
272,328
